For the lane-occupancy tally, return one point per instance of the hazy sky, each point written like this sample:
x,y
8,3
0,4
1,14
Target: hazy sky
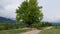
x,y
51,8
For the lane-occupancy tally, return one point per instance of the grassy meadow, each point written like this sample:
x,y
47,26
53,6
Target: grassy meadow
x,y
13,31
54,30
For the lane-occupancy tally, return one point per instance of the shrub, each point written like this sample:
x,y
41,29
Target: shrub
x,y
46,24
37,25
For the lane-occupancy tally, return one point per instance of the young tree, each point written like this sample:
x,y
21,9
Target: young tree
x,y
29,12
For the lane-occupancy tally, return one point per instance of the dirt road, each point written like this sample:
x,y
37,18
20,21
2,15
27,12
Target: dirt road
x,y
36,31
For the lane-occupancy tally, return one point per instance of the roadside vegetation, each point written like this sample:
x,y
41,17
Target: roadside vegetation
x,y
14,31
9,26
54,30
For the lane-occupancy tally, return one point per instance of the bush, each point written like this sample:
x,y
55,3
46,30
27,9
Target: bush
x,y
46,24
7,26
41,25
37,25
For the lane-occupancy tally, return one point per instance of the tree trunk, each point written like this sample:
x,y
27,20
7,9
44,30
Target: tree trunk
x,y
29,24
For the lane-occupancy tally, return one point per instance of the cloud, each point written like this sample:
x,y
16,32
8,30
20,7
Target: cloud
x,y
51,8
8,8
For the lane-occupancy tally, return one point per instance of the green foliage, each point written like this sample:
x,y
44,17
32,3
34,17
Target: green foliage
x,y
29,12
44,24
57,27
5,26
50,31
8,25
14,31
37,25
48,24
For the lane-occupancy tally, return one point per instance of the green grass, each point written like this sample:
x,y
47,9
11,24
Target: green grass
x,y
57,27
54,30
15,31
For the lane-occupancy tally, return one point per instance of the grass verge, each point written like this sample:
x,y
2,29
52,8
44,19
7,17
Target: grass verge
x,y
14,31
54,30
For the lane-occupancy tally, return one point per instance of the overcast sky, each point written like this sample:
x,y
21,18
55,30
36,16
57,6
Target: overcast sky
x,y
51,8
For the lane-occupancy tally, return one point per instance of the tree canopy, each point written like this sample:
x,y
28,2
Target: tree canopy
x,y
29,12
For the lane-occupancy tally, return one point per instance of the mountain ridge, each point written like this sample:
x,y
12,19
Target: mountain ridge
x,y
3,19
